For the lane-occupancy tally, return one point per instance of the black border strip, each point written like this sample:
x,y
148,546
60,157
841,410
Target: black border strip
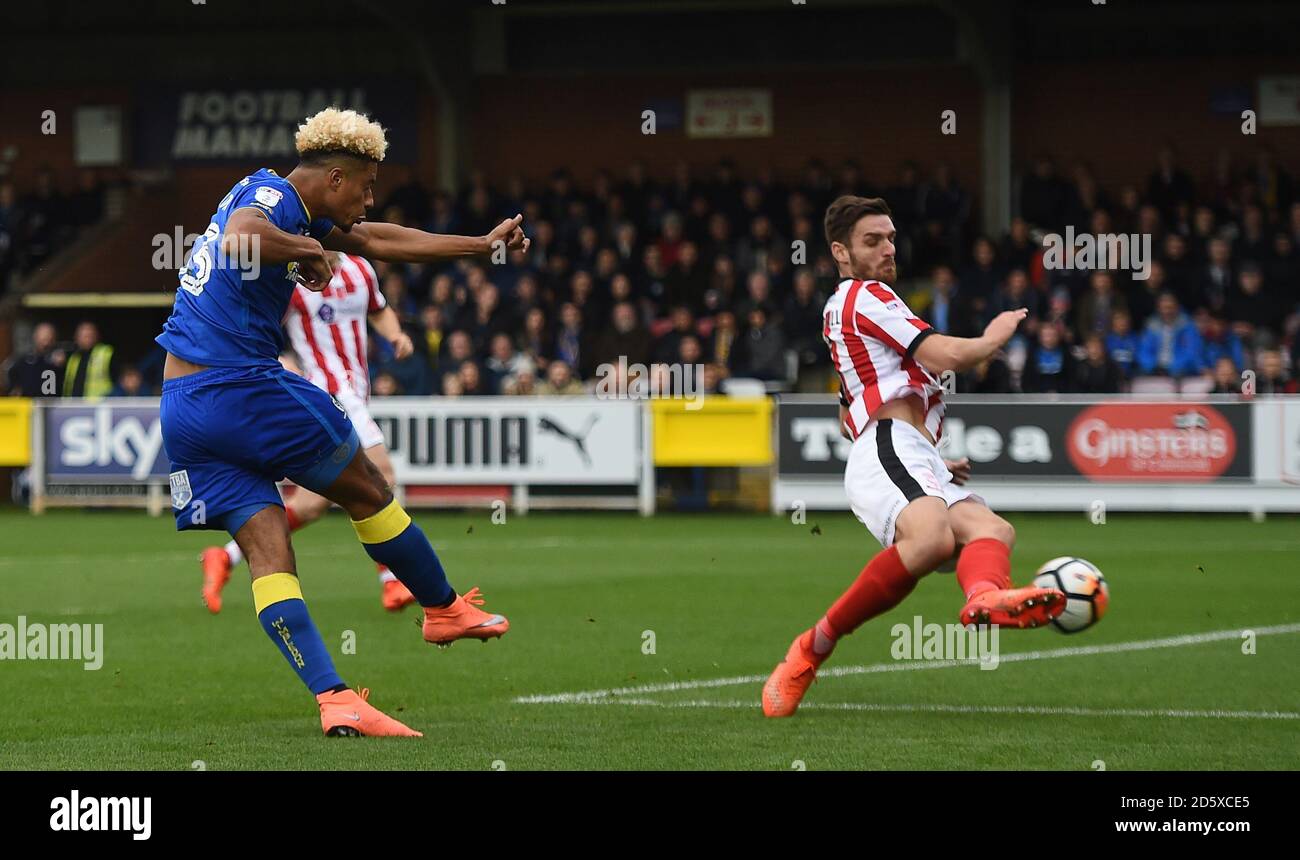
x,y
916,341
894,466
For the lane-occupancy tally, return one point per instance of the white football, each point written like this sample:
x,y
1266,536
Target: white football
x,y
1086,592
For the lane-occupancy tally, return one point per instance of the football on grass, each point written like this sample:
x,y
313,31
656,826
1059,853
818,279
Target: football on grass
x,y
1086,594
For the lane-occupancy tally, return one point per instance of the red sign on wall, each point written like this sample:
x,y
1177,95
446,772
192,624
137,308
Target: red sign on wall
x,y
1156,442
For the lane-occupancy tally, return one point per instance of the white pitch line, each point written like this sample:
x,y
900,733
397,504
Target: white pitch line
x,y
1030,710
592,696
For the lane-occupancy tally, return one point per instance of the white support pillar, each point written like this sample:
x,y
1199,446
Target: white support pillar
x,y
646,487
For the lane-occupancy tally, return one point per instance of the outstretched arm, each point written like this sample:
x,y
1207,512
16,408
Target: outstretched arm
x,y
276,247
397,244
940,352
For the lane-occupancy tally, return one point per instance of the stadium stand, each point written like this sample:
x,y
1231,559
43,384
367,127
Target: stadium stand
x,y
695,267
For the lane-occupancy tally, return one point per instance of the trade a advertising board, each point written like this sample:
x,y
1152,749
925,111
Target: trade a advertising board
x,y
1098,441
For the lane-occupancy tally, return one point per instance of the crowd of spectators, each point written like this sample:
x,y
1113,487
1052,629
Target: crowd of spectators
x,y
36,224
1218,294
730,271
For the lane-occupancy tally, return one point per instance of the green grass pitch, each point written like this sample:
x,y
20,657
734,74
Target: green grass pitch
x,y
721,595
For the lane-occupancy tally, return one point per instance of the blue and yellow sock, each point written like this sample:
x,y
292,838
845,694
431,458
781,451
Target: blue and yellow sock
x,y
280,607
391,539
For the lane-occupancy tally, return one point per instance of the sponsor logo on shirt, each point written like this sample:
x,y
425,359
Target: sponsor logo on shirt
x,y
267,196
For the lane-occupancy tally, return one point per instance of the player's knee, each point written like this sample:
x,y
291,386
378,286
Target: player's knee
x,y
998,529
271,554
935,546
945,544
379,490
372,496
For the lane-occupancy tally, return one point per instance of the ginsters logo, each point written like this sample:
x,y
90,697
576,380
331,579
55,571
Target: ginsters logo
x,y
1165,442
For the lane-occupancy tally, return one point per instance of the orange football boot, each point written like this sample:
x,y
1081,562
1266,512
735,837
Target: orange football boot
x,y
462,620
216,573
1014,607
789,681
396,595
347,715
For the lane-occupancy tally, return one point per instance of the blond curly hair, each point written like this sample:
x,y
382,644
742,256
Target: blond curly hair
x,y
334,130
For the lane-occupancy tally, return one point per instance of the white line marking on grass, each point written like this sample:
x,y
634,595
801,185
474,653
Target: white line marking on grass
x,y
1029,710
594,696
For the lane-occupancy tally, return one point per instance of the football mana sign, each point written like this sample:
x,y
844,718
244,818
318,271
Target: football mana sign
x,y
252,125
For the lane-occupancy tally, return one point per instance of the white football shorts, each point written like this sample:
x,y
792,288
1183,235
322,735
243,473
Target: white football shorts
x,y
891,464
359,413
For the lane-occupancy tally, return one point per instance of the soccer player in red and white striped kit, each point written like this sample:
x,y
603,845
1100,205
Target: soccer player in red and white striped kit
x,y
327,330
899,486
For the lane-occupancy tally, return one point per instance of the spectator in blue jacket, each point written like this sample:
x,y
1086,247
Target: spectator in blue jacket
x,y
1168,345
1121,342
1214,340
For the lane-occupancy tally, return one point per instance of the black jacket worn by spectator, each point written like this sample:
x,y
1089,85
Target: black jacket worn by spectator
x,y
1167,190
993,377
802,324
1048,373
1259,309
760,353
634,347
28,376
1044,200
1104,378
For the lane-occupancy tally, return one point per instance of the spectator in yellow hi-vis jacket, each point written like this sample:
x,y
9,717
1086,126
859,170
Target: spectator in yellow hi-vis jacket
x,y
91,368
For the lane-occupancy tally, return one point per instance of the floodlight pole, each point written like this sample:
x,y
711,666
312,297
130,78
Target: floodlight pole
x,y
451,132
985,32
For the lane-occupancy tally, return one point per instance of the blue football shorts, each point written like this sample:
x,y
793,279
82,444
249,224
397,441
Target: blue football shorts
x,y
232,432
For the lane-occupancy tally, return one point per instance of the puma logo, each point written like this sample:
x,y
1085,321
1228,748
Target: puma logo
x,y
549,425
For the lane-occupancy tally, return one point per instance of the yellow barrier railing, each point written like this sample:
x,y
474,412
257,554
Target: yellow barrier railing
x,y
15,431
714,431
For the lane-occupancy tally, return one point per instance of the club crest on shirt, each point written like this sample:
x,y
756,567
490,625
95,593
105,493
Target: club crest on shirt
x,y
326,312
181,492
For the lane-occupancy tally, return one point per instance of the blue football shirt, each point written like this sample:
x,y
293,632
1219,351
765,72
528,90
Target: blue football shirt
x,y
223,316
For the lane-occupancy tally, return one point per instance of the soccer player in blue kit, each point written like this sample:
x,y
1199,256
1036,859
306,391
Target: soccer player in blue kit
x,y
235,421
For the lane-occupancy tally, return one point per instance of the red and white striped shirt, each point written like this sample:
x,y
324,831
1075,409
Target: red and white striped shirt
x,y
872,336
328,329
